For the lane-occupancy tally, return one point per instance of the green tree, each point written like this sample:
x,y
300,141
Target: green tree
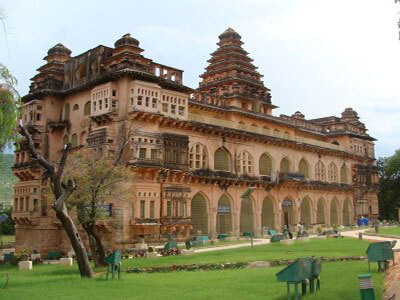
x,y
9,100
389,186
7,227
98,179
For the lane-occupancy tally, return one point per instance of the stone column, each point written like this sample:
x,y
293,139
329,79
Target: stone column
x,y
257,223
236,223
213,223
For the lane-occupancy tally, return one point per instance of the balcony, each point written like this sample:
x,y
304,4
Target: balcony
x,y
26,217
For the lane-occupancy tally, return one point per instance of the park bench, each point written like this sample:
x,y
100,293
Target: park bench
x,y
52,255
271,232
381,253
248,234
222,236
302,270
278,237
114,264
8,258
199,240
170,245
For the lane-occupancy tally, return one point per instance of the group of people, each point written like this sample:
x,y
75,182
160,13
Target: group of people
x,y
299,230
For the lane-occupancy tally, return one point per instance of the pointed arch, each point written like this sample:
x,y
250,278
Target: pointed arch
x,y
333,172
268,213
305,211
74,140
288,211
334,215
222,160
86,110
244,163
344,174
346,213
304,168
200,213
320,171
224,214
198,157
65,140
265,164
285,165
321,211
246,215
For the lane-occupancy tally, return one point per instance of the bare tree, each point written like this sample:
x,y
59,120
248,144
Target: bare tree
x,y
62,192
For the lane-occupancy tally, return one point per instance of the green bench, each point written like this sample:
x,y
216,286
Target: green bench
x,y
52,255
8,258
114,264
271,232
248,234
200,240
278,237
301,271
381,253
169,246
222,236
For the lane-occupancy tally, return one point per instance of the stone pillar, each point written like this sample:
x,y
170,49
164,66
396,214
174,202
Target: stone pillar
x,y
236,223
213,223
278,219
257,223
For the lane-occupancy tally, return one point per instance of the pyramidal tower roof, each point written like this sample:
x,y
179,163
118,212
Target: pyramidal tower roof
x,y
231,72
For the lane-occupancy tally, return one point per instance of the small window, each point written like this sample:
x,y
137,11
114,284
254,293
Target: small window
x,y
38,117
142,153
173,109
114,103
106,103
165,107
86,111
76,107
181,110
147,101
100,104
169,209
94,105
114,93
154,153
152,204
139,100
154,104
142,209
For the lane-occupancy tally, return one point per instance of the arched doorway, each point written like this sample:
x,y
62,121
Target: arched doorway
x,y
305,211
246,215
224,215
346,212
199,213
287,212
304,168
321,211
267,214
334,212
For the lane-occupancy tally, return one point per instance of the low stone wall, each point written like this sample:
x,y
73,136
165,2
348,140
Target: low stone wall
x,y
229,266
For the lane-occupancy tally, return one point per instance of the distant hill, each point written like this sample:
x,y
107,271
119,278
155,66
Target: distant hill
x,y
7,180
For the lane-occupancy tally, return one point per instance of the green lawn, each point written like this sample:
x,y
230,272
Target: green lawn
x,y
338,281
8,238
327,248
390,231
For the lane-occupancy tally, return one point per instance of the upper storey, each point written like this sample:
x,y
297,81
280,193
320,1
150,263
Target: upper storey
x,y
63,74
231,79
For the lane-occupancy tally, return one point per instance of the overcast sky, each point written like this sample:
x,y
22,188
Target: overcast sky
x,y
317,56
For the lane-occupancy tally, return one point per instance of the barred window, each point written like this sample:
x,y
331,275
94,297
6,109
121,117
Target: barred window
x,y
222,160
169,209
320,171
198,157
332,172
152,204
244,163
142,209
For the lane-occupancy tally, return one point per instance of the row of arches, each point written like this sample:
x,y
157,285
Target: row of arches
x,y
67,108
244,164
74,139
270,214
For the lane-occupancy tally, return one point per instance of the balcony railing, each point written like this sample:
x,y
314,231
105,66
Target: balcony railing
x,y
263,131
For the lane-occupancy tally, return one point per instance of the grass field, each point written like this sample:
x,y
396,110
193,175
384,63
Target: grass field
x,y
8,238
338,280
327,248
390,231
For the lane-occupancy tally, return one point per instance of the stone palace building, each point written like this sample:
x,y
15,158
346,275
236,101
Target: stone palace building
x,y
211,160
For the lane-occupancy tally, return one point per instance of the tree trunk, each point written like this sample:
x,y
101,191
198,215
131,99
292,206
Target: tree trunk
x,y
96,245
80,252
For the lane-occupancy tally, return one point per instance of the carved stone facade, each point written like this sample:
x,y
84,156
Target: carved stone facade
x,y
211,160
